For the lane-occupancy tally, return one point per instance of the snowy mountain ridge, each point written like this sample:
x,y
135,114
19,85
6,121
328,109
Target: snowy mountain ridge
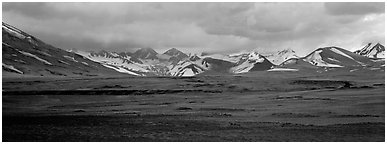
x,y
332,57
24,54
183,65
372,50
20,49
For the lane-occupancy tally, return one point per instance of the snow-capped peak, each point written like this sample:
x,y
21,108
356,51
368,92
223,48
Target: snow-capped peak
x,y
373,51
105,54
256,56
252,61
189,68
316,59
280,56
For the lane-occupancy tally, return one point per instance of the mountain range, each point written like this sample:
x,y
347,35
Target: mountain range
x,y
23,54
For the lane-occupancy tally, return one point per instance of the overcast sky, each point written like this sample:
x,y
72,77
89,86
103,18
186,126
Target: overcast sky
x,y
196,27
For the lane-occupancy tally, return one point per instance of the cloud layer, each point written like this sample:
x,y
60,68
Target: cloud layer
x,y
198,27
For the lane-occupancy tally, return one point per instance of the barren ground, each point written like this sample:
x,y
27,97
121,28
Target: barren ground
x,y
261,106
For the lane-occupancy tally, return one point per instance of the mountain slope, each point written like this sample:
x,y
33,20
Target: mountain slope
x,y
336,57
372,51
280,56
23,54
232,59
189,67
330,57
145,53
251,62
145,62
175,55
121,62
297,63
218,65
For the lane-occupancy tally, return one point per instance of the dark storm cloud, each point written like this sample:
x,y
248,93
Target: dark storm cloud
x,y
354,8
197,27
67,42
38,10
35,10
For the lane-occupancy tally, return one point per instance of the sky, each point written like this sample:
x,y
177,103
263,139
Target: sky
x,y
223,28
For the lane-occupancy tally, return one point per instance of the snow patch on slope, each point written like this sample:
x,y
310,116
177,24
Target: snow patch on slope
x,y
280,56
85,63
380,55
333,59
248,63
116,61
188,68
188,72
14,32
36,57
120,69
63,62
341,53
282,69
316,60
6,44
12,68
70,58
243,68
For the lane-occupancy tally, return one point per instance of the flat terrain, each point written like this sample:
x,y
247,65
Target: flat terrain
x,y
260,106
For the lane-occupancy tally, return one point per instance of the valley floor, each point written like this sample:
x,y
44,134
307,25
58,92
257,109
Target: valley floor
x,y
275,106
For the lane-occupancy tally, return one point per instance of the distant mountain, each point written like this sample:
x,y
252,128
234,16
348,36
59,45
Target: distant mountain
x,y
336,57
145,53
372,51
280,56
219,65
232,59
173,52
145,61
251,62
175,55
24,54
189,67
172,63
297,63
106,54
330,57
121,62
